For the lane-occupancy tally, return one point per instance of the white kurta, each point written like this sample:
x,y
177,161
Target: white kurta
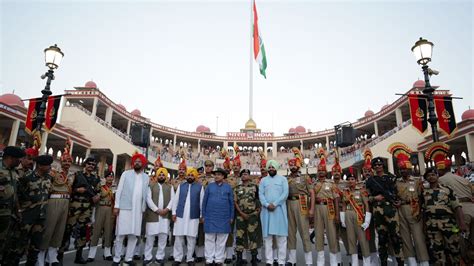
x,y
186,226
163,224
129,222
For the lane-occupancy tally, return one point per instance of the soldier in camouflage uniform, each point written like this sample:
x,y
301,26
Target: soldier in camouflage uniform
x,y
409,190
8,189
27,163
300,207
85,192
441,211
247,206
383,197
233,179
33,193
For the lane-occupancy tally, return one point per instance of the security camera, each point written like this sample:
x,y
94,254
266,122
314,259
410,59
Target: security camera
x,y
432,71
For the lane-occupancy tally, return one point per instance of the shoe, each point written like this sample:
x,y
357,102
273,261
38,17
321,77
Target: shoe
x,y
131,263
55,264
160,262
268,264
199,259
290,264
79,259
176,263
137,257
109,258
244,262
115,263
146,262
275,263
191,263
170,258
227,261
89,260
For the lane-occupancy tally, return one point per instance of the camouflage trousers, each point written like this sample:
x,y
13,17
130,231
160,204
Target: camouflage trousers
x,y
79,216
26,236
387,226
5,231
247,233
443,241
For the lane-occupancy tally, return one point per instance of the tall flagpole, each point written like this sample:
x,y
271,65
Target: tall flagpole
x,y
251,62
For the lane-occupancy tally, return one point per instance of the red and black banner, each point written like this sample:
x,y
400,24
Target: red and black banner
x,y
52,112
445,113
418,112
32,114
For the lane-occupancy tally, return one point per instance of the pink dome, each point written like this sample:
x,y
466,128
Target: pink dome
x,y
468,114
11,99
419,84
121,106
300,129
368,113
291,130
385,106
91,85
136,112
202,129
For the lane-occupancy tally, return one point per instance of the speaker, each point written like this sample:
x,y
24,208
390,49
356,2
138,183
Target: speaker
x,y
345,136
140,135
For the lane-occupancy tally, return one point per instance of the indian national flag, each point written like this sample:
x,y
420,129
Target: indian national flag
x,y
258,47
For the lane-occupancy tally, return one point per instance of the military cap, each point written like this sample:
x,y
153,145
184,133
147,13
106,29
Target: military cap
x,y
13,152
244,171
89,159
377,160
220,170
44,160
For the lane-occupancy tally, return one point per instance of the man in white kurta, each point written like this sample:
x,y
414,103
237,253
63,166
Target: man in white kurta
x,y
157,216
186,216
130,200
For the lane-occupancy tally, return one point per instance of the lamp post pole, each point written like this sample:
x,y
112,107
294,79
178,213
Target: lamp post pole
x,y
44,99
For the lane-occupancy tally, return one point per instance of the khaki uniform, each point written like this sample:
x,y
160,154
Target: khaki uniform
x,y
104,219
341,231
298,205
8,202
325,194
442,233
354,218
58,206
411,225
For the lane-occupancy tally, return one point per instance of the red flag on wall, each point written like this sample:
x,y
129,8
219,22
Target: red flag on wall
x,y
31,115
445,113
52,112
418,112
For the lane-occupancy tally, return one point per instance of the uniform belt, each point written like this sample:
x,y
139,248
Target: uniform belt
x,y
294,197
465,199
59,196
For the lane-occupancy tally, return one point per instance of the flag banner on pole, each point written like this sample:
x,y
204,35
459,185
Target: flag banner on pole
x,y
445,113
32,114
418,112
258,47
52,112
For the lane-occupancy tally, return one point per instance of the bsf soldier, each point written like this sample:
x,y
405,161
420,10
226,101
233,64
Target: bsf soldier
x,y
104,219
27,162
58,207
233,180
410,192
85,192
248,207
336,172
300,206
383,197
356,217
326,212
8,193
33,193
441,211
367,173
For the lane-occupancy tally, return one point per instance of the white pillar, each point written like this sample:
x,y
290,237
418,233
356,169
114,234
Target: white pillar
x,y
70,148
14,133
44,140
174,143
376,128
470,147
327,143
265,149
274,150
114,162
421,162
129,125
108,115
390,165
301,147
88,153
94,107
398,116
226,144
199,145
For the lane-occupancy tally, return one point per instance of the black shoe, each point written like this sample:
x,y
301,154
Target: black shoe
x,y
146,262
290,264
199,259
161,262
244,262
176,263
227,261
115,263
131,263
268,264
137,257
109,258
170,258
275,263
89,260
55,264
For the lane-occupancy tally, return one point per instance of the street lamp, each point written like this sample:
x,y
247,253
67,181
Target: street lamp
x,y
52,57
423,50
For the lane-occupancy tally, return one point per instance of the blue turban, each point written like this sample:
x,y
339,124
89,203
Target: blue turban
x,y
273,163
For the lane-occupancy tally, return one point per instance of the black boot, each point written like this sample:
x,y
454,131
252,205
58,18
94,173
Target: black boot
x,y
239,259
79,259
254,260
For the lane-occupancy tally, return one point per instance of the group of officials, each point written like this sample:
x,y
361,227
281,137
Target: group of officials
x,y
208,214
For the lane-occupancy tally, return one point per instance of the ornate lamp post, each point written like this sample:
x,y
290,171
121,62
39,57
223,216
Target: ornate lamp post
x,y
423,50
52,57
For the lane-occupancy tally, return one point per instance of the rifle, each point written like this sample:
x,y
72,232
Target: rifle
x,y
387,194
